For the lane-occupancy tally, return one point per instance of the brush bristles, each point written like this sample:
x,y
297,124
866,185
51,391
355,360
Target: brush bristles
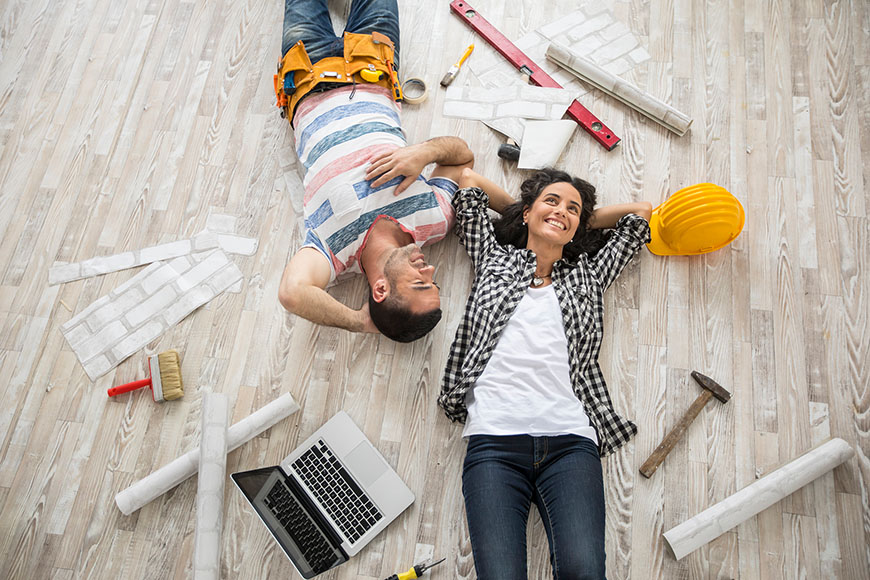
x,y
170,375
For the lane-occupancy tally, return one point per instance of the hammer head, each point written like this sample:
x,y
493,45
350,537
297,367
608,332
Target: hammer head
x,y
712,386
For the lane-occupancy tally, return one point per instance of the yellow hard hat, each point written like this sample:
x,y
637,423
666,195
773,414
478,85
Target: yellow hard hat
x,y
697,219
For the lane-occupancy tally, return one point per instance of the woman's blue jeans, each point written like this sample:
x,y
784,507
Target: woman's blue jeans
x,y
502,475
308,21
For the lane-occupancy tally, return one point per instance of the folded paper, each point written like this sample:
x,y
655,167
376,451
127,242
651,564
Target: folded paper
x,y
543,142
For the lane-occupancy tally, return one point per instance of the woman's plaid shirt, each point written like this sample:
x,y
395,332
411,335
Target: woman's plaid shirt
x,y
502,275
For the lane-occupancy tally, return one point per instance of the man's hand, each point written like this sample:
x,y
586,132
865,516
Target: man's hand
x,y
450,153
405,161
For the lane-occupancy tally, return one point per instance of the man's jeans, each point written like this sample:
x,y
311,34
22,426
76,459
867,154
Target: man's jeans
x,y
502,475
308,21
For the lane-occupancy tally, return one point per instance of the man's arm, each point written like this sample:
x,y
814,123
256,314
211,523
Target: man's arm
x,y
607,216
499,199
450,153
302,292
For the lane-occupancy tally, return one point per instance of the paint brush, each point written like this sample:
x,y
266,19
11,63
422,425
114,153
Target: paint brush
x,y
454,70
165,380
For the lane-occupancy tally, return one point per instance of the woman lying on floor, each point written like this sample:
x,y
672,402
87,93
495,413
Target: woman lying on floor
x,y
523,369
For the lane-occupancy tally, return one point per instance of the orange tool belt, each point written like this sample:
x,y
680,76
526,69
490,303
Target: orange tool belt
x,y
372,53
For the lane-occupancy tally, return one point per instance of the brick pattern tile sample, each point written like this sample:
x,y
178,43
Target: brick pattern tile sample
x,y
528,102
143,308
107,264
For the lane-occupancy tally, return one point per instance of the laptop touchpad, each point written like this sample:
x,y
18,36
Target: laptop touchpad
x,y
365,463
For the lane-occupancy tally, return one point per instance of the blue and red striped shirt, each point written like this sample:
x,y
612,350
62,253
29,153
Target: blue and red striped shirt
x,y
336,138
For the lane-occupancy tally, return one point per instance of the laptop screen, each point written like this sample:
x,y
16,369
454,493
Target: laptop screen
x,y
292,519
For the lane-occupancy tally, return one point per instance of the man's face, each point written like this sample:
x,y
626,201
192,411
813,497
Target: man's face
x,y
411,278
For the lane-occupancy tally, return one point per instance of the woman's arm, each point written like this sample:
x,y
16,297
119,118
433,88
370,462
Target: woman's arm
x,y
499,199
607,216
473,224
631,231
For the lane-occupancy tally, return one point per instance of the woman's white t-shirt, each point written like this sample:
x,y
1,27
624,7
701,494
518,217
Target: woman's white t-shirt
x,y
526,385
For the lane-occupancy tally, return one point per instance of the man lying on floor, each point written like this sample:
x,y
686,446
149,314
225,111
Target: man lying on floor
x,y
367,208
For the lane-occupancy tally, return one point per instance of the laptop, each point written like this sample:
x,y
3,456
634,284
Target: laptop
x,y
327,499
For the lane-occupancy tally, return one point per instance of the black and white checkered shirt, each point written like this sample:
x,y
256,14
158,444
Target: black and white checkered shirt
x,y
502,276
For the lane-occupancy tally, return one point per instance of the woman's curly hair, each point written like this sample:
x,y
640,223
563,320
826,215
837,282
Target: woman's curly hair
x,y
510,230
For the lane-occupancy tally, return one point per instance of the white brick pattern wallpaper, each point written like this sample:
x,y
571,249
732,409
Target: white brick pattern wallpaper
x,y
210,487
105,264
143,308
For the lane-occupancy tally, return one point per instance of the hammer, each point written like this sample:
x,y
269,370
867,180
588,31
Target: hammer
x,y
711,389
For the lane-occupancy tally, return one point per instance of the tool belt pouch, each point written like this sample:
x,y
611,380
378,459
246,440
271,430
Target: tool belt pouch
x,y
297,76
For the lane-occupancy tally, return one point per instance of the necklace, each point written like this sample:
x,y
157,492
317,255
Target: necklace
x,y
539,280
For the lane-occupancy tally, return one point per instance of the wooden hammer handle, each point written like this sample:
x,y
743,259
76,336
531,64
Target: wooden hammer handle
x,y
655,459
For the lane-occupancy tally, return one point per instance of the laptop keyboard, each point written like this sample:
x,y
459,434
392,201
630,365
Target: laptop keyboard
x,y
337,492
308,538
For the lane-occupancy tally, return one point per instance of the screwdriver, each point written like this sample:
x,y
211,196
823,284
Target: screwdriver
x,y
415,572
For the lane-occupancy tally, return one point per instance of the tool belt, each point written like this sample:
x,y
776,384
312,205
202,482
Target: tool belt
x,y
368,58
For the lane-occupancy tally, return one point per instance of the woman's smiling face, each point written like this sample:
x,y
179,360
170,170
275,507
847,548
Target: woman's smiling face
x,y
554,216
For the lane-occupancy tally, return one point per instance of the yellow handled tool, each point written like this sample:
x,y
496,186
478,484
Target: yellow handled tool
x,y
415,572
454,70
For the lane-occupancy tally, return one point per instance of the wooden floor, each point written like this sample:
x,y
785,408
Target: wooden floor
x,y
124,124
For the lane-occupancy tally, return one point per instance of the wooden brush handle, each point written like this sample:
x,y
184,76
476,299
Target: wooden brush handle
x,y
129,387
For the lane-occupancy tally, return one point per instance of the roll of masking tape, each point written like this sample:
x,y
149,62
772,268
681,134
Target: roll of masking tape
x,y
414,91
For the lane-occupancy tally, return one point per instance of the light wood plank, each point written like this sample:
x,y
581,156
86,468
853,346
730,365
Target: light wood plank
x,y
621,470
778,86
844,127
647,503
854,239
